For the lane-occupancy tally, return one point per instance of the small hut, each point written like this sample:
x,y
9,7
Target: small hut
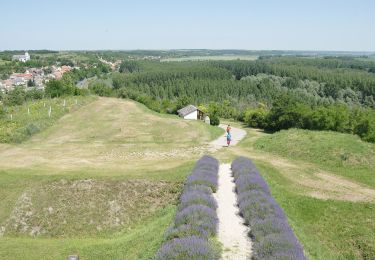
x,y
190,112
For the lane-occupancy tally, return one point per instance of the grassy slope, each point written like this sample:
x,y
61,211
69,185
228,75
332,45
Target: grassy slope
x,y
104,141
324,226
328,229
332,228
140,242
343,154
21,122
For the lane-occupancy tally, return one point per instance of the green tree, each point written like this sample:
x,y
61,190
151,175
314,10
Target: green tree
x,y
100,88
15,97
182,101
256,117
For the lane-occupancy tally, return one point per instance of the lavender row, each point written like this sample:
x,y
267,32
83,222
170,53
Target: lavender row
x,y
196,219
271,234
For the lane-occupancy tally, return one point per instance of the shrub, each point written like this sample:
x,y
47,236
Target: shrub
x,y
270,232
197,198
199,188
198,216
256,117
185,231
196,219
32,129
214,119
192,247
205,173
100,88
2,111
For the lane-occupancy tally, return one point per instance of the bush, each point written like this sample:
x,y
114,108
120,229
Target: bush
x,y
214,119
256,117
192,247
58,88
270,232
2,111
198,216
197,198
196,219
100,88
32,129
205,173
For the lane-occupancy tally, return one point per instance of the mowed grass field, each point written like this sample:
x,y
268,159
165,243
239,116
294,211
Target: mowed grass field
x,y
101,182
324,183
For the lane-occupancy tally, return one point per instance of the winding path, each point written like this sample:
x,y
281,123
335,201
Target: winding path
x,y
237,135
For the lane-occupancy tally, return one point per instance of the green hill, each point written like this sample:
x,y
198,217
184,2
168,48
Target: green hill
x,y
343,154
102,182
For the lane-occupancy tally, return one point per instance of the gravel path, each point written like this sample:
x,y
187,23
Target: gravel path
x,y
232,232
237,135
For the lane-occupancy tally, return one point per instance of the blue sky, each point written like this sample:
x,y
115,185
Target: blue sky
x,y
346,25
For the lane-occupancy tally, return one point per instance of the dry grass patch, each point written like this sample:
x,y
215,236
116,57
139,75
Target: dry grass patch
x,y
67,208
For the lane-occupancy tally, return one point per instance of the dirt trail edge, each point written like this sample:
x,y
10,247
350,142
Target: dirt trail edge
x,y
237,135
232,232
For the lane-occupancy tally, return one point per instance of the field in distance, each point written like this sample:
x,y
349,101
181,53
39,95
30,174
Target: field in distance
x,y
216,57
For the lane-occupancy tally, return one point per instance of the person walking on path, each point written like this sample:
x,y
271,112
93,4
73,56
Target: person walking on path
x,y
229,138
228,128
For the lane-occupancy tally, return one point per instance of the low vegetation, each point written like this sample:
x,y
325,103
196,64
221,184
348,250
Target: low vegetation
x,y
64,186
20,122
94,184
270,232
323,226
195,224
343,154
59,209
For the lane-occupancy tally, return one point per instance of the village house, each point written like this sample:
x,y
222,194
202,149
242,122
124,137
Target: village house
x,y
190,112
36,75
22,58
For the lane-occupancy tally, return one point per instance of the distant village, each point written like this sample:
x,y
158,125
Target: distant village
x,y
33,77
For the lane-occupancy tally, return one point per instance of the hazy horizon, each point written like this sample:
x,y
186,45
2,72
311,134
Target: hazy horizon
x,y
291,25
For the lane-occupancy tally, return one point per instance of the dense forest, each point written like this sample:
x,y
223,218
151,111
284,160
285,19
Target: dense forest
x,y
272,93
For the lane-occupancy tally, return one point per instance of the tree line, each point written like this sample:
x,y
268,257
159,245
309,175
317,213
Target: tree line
x,y
266,95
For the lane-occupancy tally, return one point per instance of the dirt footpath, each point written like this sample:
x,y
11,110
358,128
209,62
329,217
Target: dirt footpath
x,y
232,232
237,135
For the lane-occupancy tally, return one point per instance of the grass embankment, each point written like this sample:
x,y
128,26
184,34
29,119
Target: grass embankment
x,y
21,122
332,213
101,182
342,154
328,229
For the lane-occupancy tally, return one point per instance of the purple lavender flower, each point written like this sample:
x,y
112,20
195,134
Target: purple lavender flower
x,y
191,247
196,219
199,188
272,236
185,231
197,198
199,216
